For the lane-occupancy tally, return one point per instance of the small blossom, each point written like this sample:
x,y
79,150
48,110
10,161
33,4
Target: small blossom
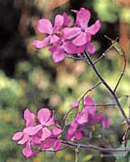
x,y
62,49
54,32
86,117
38,131
81,33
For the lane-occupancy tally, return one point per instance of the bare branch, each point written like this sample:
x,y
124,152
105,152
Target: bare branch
x,y
95,86
122,73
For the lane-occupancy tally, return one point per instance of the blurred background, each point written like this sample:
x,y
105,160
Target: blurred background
x,y
29,78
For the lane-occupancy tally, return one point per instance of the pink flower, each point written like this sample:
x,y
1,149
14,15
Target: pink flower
x,y
83,117
45,120
38,131
86,117
62,49
28,152
23,137
81,33
51,142
54,33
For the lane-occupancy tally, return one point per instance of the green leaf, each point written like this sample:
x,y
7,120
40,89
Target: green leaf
x,y
70,115
122,155
119,155
80,105
87,157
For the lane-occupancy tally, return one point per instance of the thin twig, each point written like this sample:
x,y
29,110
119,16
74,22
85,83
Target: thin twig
x,y
95,86
106,105
108,87
112,150
122,73
103,55
77,153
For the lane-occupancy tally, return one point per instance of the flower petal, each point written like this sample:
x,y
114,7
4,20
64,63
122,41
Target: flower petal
x,y
32,130
99,118
41,44
27,151
70,33
54,38
93,29
52,120
89,106
24,139
89,101
83,17
58,55
75,11
69,47
75,104
80,40
78,135
29,118
90,48
57,145
67,20
36,140
58,22
45,133
82,118
80,49
44,26
72,129
43,115
56,131
17,136
47,143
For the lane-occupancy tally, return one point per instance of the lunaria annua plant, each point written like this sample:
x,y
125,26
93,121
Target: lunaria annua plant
x,y
42,130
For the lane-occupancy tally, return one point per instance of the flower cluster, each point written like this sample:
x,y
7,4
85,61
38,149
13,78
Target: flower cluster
x,y
87,117
65,40
42,131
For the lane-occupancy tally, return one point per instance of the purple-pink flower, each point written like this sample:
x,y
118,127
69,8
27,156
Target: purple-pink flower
x,y
39,129
54,32
88,116
64,40
81,34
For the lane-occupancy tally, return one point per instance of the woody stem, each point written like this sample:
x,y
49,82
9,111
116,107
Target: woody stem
x,y
88,59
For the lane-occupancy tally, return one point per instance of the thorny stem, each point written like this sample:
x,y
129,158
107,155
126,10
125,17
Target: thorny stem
x,y
122,73
112,150
107,86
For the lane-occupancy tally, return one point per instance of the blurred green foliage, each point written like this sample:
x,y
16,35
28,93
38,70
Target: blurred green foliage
x,y
38,82
109,11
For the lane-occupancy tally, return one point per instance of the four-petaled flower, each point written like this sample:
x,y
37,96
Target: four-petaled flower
x,y
86,117
38,131
54,33
81,34
64,40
